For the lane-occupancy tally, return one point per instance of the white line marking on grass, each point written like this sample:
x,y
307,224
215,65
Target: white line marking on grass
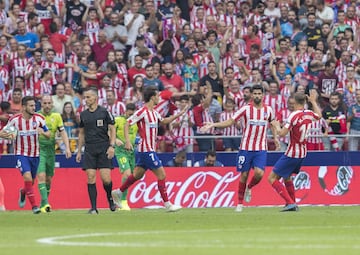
x,y
258,244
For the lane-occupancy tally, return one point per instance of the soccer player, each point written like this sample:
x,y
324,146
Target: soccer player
x,y
98,133
125,158
298,124
46,168
29,125
147,120
254,118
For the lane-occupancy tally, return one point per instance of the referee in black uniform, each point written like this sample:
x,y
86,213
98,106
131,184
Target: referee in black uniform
x,y
97,132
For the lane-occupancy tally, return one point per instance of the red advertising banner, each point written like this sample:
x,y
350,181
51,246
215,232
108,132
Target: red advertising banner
x,y
195,187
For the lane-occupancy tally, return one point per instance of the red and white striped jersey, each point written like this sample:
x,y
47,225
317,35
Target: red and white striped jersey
x,y
232,130
203,66
58,5
316,132
54,67
12,55
117,109
34,78
119,84
340,71
18,67
282,117
351,86
286,91
4,75
92,29
229,20
238,99
184,129
9,94
200,25
303,60
353,23
164,102
276,102
122,69
27,140
299,125
42,88
254,63
148,122
254,124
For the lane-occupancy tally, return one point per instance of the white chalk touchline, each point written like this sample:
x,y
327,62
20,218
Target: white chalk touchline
x,y
258,244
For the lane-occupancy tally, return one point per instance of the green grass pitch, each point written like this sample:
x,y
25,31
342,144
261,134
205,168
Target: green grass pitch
x,y
312,230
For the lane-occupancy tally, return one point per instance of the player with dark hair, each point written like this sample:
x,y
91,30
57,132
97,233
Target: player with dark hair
x,y
298,124
97,132
125,158
29,125
147,120
254,117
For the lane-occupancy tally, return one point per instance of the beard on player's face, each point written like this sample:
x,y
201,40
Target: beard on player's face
x,y
257,101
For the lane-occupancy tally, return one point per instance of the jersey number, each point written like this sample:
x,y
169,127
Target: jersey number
x,y
304,129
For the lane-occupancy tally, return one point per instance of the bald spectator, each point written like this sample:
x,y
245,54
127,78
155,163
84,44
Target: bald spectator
x,y
60,98
170,79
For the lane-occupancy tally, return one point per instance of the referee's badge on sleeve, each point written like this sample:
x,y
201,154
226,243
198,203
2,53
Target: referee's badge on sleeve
x,y
100,123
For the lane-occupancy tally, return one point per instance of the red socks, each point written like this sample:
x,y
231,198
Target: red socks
x,y
29,191
162,190
253,182
129,181
280,189
290,189
241,192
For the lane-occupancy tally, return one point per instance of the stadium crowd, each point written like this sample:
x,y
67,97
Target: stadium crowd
x,y
203,53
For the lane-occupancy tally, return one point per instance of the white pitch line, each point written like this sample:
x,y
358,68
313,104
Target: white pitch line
x,y
259,244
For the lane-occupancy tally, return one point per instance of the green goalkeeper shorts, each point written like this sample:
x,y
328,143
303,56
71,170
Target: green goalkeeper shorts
x,y
126,160
47,160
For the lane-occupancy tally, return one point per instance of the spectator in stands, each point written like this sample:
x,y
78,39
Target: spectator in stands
x,y
150,80
178,161
327,81
353,124
335,116
29,39
133,20
15,101
74,12
60,98
101,48
209,160
231,143
116,33
134,94
200,109
170,79
137,69
10,26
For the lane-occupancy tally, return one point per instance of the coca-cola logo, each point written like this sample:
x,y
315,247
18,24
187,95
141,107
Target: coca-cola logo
x,y
201,189
344,175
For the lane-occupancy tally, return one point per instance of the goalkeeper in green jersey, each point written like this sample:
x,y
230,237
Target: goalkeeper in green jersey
x,y
46,167
125,158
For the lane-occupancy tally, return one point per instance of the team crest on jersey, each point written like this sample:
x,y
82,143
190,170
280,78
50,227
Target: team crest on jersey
x,y
100,123
265,115
34,124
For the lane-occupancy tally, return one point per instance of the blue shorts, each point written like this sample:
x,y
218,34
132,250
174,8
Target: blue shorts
x,y
148,160
27,164
245,160
285,166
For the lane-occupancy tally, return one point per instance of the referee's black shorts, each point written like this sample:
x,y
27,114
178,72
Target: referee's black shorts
x,y
95,156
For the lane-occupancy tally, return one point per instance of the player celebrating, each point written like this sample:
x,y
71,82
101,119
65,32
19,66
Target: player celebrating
x,y
147,120
47,150
125,158
253,148
29,125
299,124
